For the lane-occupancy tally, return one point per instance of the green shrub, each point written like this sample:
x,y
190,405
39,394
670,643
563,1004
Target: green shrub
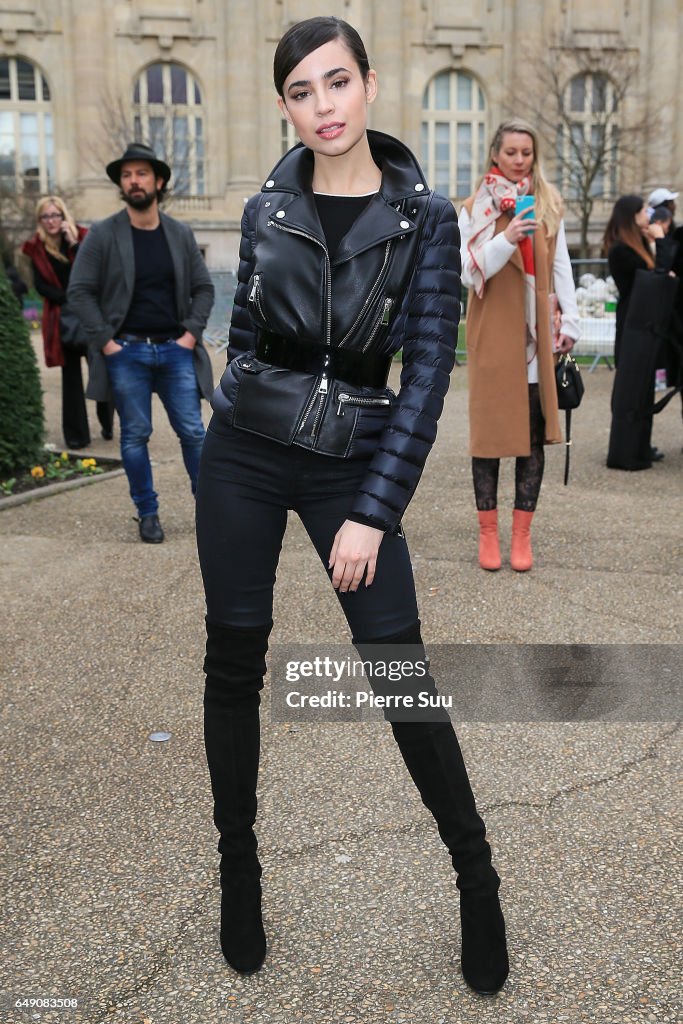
x,y
21,397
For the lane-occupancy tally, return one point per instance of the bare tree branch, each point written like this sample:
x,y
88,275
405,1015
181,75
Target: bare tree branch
x,y
119,126
588,108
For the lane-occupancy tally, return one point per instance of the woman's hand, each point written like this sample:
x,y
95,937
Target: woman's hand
x,y
565,343
655,231
354,552
519,227
69,233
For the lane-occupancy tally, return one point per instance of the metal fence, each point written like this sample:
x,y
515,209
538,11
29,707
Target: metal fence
x,y
224,282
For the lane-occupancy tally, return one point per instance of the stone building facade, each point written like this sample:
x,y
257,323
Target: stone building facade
x,y
194,77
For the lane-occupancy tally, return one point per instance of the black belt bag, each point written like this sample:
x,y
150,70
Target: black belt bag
x,y
295,395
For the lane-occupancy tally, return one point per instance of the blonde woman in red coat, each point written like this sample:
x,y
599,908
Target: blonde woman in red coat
x,y
52,251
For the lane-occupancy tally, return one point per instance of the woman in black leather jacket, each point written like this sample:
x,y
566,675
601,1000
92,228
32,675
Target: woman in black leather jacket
x,y
346,257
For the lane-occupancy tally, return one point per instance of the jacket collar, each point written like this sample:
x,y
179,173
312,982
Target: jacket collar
x,y
293,205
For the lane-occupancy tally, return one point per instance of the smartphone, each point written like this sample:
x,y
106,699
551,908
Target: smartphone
x,y
524,205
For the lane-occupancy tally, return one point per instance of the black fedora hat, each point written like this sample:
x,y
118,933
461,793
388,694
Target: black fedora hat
x,y
138,151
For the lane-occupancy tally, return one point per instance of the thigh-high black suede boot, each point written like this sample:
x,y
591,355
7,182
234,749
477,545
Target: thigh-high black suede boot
x,y
235,665
433,757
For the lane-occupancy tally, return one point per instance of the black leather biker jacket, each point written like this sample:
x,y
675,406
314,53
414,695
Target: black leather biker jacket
x,y
393,284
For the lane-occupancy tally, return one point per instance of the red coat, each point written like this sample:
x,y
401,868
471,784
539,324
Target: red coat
x,y
52,342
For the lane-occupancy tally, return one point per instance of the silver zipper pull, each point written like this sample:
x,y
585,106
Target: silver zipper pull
x,y
342,398
254,288
323,385
388,303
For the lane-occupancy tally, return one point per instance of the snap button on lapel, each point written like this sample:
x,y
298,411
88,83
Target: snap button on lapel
x,y
270,183
267,204
280,213
404,224
419,187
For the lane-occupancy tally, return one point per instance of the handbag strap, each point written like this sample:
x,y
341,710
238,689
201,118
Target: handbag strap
x,y
567,443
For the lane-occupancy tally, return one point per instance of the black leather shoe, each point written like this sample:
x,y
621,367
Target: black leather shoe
x,y
107,434
484,958
150,530
655,454
243,939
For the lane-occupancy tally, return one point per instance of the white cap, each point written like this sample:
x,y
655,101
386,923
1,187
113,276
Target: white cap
x,y
661,195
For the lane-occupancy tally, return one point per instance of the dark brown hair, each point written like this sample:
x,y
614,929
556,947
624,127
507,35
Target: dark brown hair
x,y
622,227
306,36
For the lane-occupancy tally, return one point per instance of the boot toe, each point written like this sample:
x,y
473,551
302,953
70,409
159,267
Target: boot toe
x,y
484,958
243,939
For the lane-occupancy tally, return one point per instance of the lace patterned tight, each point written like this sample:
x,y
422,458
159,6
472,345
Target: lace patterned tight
x,y
528,469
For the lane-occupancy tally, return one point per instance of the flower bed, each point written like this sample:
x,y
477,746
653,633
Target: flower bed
x,y
54,468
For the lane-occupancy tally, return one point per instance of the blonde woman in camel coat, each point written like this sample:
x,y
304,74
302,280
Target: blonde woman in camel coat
x,y
514,266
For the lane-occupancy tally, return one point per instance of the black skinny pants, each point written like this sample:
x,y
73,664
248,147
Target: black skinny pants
x,y
246,486
74,411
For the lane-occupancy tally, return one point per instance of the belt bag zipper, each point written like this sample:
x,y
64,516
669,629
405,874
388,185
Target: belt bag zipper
x,y
359,400
318,394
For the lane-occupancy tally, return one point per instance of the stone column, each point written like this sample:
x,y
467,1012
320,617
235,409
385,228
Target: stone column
x,y
241,78
383,37
88,63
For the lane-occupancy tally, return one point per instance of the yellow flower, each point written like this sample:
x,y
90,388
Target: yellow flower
x,y
88,463
64,457
37,472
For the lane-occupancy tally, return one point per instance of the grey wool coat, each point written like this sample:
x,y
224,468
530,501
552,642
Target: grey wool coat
x,y
101,289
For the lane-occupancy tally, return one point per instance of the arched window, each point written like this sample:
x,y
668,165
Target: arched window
x,y
167,107
588,137
27,150
453,133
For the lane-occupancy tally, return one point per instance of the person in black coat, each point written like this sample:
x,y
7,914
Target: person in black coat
x,y
17,284
346,257
634,247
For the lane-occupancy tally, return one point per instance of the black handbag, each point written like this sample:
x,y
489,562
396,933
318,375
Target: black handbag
x,y
71,330
570,390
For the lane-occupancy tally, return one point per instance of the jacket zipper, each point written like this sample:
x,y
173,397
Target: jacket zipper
x,y
361,400
381,321
321,391
379,280
255,295
372,294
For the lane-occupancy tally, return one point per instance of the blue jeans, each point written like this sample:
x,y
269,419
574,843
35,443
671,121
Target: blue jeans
x,y
134,373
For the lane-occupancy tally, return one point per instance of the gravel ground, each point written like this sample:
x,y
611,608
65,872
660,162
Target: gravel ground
x,y
109,868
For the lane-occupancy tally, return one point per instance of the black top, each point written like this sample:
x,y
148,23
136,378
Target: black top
x,y
337,214
152,309
624,262
62,270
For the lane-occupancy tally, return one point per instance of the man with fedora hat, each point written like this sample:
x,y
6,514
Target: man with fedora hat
x,y
142,291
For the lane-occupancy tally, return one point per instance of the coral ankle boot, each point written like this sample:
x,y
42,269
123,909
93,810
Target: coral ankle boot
x,y
489,548
521,558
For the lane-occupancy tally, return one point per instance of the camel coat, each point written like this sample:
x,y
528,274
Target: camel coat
x,y
496,356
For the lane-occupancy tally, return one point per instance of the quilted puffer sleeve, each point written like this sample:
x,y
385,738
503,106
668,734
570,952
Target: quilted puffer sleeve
x,y
428,318
242,336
